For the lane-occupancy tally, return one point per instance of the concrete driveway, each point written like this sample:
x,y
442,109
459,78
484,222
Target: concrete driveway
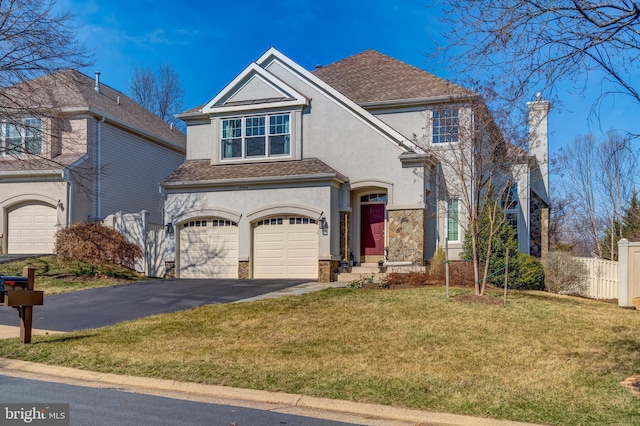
x,y
100,307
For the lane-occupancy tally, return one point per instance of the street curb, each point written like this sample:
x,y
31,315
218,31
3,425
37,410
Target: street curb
x,y
224,392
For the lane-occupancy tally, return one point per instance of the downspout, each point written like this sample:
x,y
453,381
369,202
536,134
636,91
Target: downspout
x,y
437,206
67,177
99,168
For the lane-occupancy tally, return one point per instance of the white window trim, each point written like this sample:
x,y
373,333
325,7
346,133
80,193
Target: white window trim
x,y
4,150
515,210
457,220
243,137
433,125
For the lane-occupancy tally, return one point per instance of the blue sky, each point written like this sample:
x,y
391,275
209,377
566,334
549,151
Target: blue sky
x,y
210,42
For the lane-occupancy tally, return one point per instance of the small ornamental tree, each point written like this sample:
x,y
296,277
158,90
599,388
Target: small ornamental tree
x,y
492,224
95,245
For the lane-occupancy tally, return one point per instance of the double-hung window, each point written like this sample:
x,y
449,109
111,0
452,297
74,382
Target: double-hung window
x,y
21,137
453,220
256,136
512,206
445,126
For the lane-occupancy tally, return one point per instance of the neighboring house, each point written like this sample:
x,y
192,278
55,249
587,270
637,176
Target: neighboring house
x,y
290,171
74,151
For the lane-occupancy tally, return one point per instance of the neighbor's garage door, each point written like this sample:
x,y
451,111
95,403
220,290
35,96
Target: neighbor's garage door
x,y
286,248
32,229
209,249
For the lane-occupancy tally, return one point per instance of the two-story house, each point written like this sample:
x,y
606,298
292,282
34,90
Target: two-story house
x,y
289,171
75,150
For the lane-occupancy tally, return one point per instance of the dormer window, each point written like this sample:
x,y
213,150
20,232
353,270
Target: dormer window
x,y
258,136
21,137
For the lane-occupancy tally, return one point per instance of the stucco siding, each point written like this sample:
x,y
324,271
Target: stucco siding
x,y
200,138
52,193
349,145
254,204
124,184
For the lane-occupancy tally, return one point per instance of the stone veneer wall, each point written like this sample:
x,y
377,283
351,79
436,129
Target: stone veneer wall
x,y
345,249
170,269
244,272
538,229
327,270
406,236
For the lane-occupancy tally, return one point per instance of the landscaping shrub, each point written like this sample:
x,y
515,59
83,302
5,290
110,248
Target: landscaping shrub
x,y
564,274
95,245
460,274
437,262
503,239
525,273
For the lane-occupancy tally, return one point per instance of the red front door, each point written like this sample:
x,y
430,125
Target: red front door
x,y
372,239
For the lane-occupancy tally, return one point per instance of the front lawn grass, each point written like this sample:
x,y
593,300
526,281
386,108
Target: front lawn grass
x,y
54,278
541,358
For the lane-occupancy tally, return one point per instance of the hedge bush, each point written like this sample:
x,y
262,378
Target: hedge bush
x,y
97,246
564,274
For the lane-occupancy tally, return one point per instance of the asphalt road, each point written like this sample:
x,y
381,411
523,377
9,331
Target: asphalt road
x,y
105,407
100,307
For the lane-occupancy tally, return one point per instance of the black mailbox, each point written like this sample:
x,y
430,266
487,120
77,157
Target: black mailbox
x,y
17,292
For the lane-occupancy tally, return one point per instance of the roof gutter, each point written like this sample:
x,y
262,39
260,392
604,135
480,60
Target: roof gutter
x,y
262,180
418,101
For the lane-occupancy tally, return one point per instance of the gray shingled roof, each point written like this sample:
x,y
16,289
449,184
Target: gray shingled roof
x,y
195,171
70,89
371,76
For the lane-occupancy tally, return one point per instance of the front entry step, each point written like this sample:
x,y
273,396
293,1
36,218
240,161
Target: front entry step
x,y
363,271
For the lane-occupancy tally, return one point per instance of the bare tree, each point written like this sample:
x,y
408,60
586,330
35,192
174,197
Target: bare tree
x,y
539,43
618,163
479,164
598,178
35,40
159,91
579,161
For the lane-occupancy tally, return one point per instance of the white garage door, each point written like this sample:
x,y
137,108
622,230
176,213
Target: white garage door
x,y
32,229
209,249
286,247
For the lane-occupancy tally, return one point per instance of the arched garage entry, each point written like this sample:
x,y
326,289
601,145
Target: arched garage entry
x,y
285,247
31,228
208,248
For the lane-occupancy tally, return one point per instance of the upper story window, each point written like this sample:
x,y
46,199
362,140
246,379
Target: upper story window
x,y
21,137
256,136
445,126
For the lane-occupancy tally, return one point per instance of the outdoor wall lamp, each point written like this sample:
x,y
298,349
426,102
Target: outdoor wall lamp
x,y
324,226
169,227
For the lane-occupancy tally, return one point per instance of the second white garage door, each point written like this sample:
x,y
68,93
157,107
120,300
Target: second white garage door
x,y
32,229
209,249
286,247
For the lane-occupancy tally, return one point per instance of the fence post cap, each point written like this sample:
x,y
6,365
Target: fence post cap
x,y
623,242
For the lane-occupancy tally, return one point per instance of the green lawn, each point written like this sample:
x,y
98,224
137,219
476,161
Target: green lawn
x,y
54,278
541,358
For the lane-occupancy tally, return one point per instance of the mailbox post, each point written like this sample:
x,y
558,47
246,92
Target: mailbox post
x,y
18,293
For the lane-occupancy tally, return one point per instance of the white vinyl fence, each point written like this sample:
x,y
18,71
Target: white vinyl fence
x,y
602,277
150,237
